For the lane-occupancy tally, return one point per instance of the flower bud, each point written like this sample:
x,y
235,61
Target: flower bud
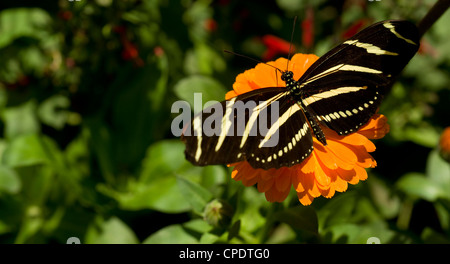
x,y
218,213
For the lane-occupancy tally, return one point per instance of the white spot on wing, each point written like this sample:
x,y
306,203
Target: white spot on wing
x,y
392,28
197,125
370,48
334,92
274,128
226,124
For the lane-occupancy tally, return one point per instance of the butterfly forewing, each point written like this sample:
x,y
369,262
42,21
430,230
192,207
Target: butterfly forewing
x,y
344,88
265,127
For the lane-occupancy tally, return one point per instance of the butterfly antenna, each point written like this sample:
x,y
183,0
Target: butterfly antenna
x,y
253,59
290,43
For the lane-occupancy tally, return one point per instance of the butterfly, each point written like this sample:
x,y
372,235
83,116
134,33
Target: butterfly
x,y
274,127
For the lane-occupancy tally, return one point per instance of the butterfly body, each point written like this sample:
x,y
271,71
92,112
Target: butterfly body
x,y
297,95
342,90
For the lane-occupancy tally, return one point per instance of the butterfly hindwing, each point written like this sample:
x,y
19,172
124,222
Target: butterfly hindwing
x,y
265,127
344,88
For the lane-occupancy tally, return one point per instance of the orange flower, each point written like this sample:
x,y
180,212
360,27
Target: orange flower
x,y
329,168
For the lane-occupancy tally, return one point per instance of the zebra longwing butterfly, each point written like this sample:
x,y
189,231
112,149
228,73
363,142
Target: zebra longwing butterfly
x,y
342,90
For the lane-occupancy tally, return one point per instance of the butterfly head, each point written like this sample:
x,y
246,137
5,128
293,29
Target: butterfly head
x,y
287,76
291,84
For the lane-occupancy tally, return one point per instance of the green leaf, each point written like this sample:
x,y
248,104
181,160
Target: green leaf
x,y
300,218
248,210
173,234
25,151
208,238
195,194
443,212
386,203
38,182
417,185
213,176
111,231
197,225
162,195
438,170
351,233
157,186
22,22
209,88
53,111
291,5
139,115
337,211
163,158
282,234
9,180
21,120
424,135
234,230
430,236
31,224
203,59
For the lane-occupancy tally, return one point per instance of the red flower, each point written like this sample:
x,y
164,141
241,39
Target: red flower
x,y
210,25
308,29
353,29
129,51
444,144
275,46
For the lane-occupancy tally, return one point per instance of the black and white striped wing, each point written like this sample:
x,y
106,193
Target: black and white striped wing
x,y
344,88
265,127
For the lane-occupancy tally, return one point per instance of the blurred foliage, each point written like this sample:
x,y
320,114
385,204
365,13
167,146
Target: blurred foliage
x,y
86,89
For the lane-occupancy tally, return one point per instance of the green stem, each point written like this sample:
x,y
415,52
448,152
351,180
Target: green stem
x,y
270,220
404,215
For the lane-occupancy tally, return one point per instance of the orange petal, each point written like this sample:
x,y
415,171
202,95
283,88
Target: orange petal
x,y
299,182
267,174
348,175
325,156
342,152
364,158
369,146
243,169
308,165
376,128
352,139
300,63
361,172
328,193
283,181
247,182
274,195
230,94
265,185
340,185
322,174
305,198
314,191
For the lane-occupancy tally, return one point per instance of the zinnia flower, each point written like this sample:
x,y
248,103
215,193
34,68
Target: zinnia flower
x,y
328,169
